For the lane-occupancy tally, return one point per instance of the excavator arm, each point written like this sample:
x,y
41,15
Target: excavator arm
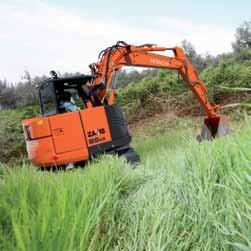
x,y
115,57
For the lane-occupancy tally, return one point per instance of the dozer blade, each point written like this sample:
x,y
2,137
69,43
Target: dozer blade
x,y
213,128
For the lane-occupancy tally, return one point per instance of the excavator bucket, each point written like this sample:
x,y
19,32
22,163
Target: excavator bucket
x,y
213,128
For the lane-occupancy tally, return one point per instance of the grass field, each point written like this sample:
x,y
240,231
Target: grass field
x,y
184,196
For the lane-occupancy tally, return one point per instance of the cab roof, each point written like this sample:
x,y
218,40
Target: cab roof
x,y
67,82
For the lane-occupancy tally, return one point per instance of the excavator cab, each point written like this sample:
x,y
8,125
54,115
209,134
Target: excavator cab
x,y
52,91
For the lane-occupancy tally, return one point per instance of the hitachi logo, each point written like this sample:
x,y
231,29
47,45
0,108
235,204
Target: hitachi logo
x,y
157,61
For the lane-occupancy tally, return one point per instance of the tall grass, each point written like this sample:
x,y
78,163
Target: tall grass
x,y
197,197
59,211
184,196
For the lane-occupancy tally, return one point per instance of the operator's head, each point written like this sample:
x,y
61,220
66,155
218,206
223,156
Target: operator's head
x,y
66,97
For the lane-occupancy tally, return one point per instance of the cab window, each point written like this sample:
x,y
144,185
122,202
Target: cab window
x,y
48,100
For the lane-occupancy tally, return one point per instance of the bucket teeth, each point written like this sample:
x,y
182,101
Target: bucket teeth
x,y
223,128
213,128
205,134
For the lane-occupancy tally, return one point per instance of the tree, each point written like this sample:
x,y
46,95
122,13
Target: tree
x,y
26,91
242,44
200,62
196,59
243,36
8,97
21,94
189,50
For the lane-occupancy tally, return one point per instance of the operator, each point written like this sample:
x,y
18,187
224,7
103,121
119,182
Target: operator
x,y
67,103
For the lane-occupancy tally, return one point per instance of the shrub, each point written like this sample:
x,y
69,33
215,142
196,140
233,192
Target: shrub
x,y
11,132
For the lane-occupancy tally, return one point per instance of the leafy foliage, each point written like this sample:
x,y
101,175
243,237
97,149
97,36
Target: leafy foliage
x,y
243,36
200,62
229,75
151,95
167,91
124,77
242,44
8,96
164,82
11,133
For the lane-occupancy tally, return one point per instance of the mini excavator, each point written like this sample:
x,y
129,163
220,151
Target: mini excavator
x,y
60,138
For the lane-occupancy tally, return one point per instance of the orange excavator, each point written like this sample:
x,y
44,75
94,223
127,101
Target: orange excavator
x,y
60,137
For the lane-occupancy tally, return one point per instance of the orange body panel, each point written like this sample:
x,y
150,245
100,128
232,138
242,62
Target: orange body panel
x,y
44,146
67,132
37,128
65,138
96,126
60,139
41,153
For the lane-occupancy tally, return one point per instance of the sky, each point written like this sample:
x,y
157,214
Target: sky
x,y
66,36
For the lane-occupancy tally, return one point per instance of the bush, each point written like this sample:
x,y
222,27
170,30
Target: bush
x,y
166,92
228,75
165,82
11,132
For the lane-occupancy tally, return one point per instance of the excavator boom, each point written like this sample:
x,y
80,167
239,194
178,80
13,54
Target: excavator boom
x,y
121,54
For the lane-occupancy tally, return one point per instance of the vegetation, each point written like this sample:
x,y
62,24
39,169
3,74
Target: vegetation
x,y
184,196
11,133
228,75
63,211
226,83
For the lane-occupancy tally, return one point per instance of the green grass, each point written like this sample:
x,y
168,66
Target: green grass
x,y
184,196
58,211
197,198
